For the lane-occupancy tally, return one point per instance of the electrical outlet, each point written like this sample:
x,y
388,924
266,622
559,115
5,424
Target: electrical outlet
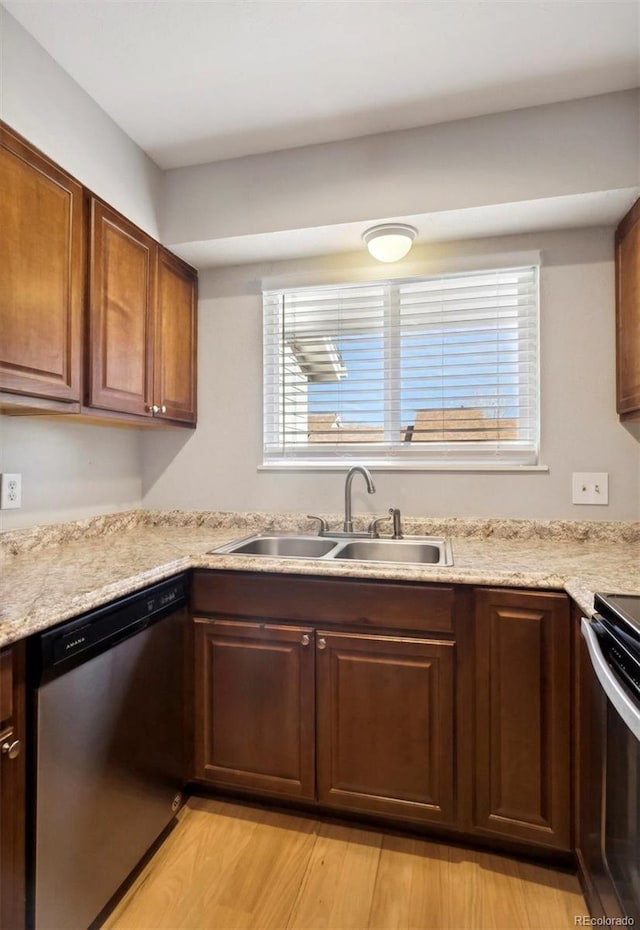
x,y
590,487
11,492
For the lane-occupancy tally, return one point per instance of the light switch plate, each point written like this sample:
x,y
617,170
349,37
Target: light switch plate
x,y
590,487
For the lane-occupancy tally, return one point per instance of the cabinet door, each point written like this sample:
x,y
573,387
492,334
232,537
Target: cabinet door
x,y
122,263
254,707
628,313
41,244
523,716
12,789
174,339
385,725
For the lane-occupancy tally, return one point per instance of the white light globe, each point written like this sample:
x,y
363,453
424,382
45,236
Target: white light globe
x,y
389,242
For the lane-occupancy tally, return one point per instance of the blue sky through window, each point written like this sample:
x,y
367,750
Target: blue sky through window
x,y
444,369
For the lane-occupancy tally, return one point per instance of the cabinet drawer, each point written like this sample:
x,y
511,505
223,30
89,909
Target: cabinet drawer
x,y
371,605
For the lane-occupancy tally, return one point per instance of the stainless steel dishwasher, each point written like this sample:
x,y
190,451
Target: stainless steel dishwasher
x,y
108,750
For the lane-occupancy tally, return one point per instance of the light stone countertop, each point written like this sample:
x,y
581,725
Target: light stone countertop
x,y
49,574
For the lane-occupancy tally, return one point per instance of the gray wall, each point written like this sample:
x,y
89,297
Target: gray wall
x,y
556,150
71,471
218,466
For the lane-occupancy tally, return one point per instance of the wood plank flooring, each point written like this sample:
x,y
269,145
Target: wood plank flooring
x,y
230,867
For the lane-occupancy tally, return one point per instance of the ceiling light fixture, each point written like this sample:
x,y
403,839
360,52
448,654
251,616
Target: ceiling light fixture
x,y
389,242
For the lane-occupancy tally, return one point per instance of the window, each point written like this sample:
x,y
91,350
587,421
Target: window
x,y
441,370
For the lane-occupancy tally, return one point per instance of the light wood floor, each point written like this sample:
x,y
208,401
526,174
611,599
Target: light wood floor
x,y
229,866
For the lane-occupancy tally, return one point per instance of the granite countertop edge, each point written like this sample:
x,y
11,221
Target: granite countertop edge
x,y
55,573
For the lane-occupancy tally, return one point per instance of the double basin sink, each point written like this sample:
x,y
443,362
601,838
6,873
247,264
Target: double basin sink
x,y
414,550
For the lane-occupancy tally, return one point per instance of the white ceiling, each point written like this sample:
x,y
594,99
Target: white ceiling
x,y
193,81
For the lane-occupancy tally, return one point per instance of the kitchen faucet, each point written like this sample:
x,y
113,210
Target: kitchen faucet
x,y
356,469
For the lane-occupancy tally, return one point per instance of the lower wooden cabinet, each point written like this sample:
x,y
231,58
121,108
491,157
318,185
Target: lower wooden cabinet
x,y
12,788
380,719
466,726
521,784
385,725
255,707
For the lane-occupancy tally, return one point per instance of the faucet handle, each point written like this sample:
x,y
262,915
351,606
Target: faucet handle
x,y
394,513
373,526
324,526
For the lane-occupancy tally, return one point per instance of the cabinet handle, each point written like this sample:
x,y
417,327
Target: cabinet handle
x,y
12,750
322,643
305,639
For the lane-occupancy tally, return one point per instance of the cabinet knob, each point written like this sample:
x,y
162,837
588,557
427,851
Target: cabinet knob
x,y
305,639
322,643
163,409
152,408
11,749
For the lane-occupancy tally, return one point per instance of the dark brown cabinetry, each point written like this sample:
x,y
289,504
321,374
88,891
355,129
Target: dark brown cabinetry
x,y
130,357
628,314
142,323
12,788
41,284
370,714
432,704
120,294
175,338
385,725
523,716
255,707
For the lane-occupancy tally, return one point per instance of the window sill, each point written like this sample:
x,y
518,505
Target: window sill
x,y
400,466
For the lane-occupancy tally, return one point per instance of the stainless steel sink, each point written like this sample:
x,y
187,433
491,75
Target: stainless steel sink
x,y
413,550
286,547
395,550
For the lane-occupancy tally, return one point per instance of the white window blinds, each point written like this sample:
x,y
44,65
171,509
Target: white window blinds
x,y
442,369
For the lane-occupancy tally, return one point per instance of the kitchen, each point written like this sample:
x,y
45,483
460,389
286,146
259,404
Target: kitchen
x,y
231,212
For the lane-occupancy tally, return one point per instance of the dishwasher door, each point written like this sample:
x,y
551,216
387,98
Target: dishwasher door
x,y
109,769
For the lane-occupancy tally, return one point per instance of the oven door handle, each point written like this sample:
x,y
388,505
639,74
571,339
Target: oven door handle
x,y
623,704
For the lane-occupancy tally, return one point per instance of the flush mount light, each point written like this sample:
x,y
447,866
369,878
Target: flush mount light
x,y
389,242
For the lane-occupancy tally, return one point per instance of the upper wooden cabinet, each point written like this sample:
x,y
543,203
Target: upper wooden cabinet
x,y
175,338
122,265
130,356
142,322
41,274
628,314
523,716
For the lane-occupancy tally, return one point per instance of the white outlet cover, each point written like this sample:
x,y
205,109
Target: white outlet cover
x,y
11,492
590,487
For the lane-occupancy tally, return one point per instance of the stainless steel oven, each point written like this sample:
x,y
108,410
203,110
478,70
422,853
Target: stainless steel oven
x,y
613,642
